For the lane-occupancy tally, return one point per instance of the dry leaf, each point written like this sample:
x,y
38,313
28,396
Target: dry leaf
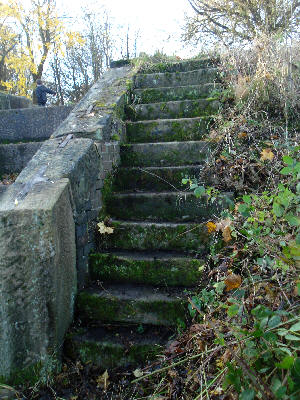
x,y
242,135
227,234
103,229
138,373
233,281
102,380
211,227
267,154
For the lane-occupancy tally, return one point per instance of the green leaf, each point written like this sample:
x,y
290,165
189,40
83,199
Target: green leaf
x,y
247,199
184,181
278,210
295,327
233,310
199,191
286,170
244,210
293,220
247,394
286,363
293,338
288,160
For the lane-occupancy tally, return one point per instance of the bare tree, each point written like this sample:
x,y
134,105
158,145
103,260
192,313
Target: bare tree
x,y
241,19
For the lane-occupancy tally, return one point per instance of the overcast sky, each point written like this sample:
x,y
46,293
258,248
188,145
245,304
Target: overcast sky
x,y
159,21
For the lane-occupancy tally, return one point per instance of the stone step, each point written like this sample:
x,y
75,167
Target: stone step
x,y
116,346
156,95
166,154
168,79
168,130
178,66
132,304
156,268
150,236
192,92
159,179
167,206
173,109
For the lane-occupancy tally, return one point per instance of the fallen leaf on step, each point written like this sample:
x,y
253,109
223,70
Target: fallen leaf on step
x,y
102,380
267,154
103,229
233,281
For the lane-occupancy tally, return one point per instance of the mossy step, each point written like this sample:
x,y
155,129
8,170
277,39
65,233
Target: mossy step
x,y
178,66
116,346
160,179
166,206
173,109
168,130
166,154
168,79
140,236
192,92
132,304
158,268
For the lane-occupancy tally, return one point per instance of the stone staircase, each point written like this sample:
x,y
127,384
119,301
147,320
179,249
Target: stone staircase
x,y
141,273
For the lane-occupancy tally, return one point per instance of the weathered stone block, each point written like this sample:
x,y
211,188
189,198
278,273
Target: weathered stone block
x,y
37,273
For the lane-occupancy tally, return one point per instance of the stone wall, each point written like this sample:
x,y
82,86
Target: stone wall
x,y
31,124
9,101
65,176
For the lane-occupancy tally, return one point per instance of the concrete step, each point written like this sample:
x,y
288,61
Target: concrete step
x,y
116,346
173,109
168,130
167,206
159,179
132,304
150,236
156,95
166,154
168,79
178,66
156,268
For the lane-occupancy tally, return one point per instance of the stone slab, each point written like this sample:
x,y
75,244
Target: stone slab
x,y
156,95
166,206
79,161
158,179
179,66
168,130
99,114
31,124
157,268
174,109
134,304
37,273
165,154
204,75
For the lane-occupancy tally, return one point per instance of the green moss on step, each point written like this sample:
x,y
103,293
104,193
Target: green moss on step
x,y
180,272
110,309
109,355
